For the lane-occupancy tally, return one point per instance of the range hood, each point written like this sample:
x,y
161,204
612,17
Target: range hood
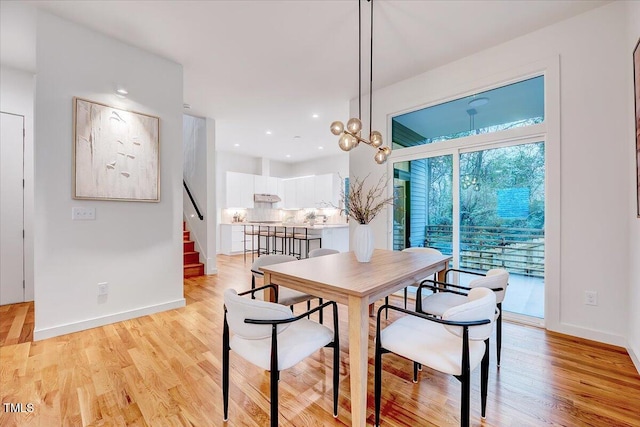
x,y
266,198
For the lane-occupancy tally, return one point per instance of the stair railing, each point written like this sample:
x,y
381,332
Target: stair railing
x,y
193,202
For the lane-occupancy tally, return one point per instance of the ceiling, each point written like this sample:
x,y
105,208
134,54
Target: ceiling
x,y
258,66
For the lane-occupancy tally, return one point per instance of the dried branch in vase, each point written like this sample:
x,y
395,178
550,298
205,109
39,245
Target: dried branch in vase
x,y
363,203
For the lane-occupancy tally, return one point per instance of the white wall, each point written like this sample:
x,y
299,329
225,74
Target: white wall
x,y
136,247
592,161
328,164
17,88
633,25
198,161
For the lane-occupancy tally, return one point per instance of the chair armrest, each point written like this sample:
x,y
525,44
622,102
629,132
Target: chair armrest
x,y
437,286
444,286
475,273
261,288
292,319
432,318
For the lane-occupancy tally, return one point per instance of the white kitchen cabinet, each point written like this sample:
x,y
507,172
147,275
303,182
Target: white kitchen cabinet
x,y
320,191
265,184
305,191
240,190
232,239
260,185
336,238
290,199
327,190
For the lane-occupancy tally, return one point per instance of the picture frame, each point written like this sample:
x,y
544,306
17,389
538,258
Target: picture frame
x,y
636,88
116,153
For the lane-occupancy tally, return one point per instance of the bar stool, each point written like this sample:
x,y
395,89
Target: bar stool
x,y
269,234
280,233
251,233
303,237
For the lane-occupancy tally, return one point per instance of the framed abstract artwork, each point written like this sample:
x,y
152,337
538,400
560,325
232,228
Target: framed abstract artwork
x,y
636,88
115,153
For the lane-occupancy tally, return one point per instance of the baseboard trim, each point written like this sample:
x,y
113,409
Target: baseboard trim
x,y
589,334
41,334
210,266
634,357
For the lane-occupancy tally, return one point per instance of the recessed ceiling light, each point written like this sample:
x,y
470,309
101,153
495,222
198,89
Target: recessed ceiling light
x,y
315,116
236,145
288,156
297,137
186,106
478,102
269,132
122,91
321,148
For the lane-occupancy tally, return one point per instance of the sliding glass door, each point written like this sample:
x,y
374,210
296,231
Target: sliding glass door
x,y
469,180
423,210
500,207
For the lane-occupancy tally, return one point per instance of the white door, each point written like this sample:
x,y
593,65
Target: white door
x,y
11,208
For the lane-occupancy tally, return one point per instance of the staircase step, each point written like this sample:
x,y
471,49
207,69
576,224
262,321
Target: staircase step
x,y
191,257
186,235
192,270
189,246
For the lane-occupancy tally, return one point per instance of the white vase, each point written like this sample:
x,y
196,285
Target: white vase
x,y
363,242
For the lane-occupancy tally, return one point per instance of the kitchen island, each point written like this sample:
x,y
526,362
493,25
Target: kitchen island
x,y
237,237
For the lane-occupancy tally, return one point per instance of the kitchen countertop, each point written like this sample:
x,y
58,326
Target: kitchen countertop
x,y
280,224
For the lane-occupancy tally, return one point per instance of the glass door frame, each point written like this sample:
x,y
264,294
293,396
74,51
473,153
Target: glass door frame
x,y
463,146
547,132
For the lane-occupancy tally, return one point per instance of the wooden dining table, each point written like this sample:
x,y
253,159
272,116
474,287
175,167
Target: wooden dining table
x,y
341,278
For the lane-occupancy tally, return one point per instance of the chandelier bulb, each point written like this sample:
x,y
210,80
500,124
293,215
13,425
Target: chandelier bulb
x,y
347,142
376,138
337,128
380,157
354,125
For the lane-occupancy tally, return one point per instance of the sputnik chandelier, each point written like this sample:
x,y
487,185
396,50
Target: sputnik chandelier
x,y
351,136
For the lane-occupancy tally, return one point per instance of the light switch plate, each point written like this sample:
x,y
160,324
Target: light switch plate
x,y
81,213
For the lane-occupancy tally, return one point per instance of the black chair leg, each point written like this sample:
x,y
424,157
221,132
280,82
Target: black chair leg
x,y
465,399
336,367
386,310
405,298
320,315
484,380
378,382
308,307
274,398
416,367
225,371
499,334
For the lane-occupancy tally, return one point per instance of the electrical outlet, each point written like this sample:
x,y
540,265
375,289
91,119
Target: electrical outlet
x,y
590,297
103,288
83,213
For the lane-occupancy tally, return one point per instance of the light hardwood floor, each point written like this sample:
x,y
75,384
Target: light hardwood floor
x,y
165,370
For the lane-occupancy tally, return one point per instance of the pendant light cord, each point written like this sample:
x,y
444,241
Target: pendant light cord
x,y
359,60
371,75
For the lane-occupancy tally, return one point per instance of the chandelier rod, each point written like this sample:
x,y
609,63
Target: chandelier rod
x,y
371,74
359,60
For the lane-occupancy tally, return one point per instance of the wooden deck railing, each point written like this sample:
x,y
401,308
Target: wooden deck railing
x,y
519,250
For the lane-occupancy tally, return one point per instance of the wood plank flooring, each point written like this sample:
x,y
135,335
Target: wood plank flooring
x,y
165,370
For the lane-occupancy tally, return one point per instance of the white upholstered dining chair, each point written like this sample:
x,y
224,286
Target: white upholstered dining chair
x,y
269,336
286,296
322,252
454,344
416,249
447,294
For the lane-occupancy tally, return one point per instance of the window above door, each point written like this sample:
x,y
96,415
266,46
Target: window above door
x,y
506,107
